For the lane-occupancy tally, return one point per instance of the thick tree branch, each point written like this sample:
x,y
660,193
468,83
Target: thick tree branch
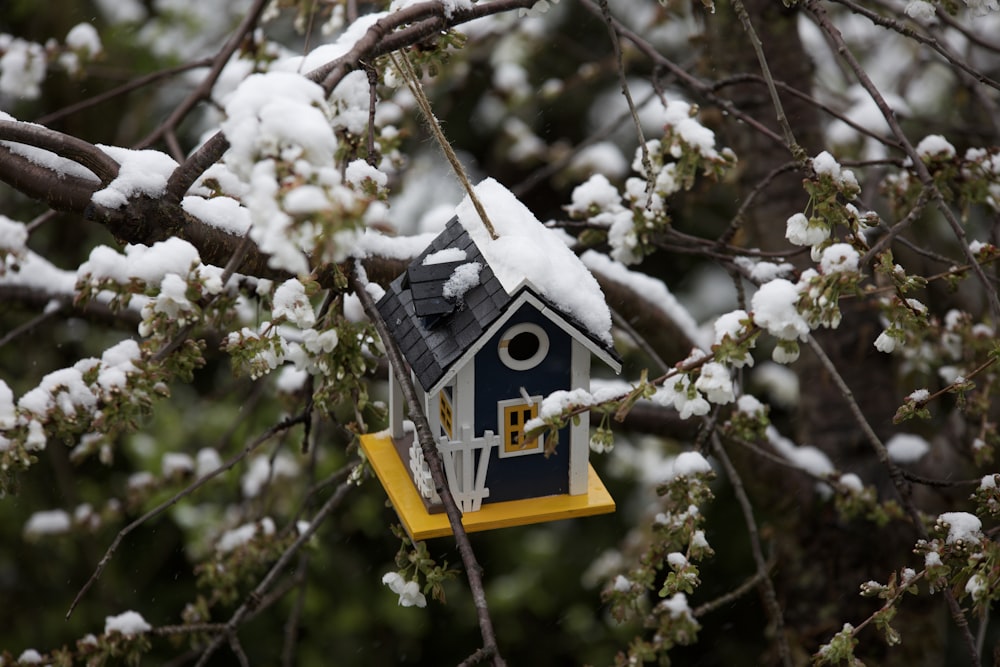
x,y
62,193
63,145
427,18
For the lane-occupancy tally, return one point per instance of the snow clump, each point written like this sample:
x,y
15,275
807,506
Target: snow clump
x,y
935,145
962,526
129,623
462,279
774,310
691,463
140,172
907,448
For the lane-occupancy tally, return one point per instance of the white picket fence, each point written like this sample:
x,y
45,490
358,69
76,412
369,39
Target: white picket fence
x,y
465,470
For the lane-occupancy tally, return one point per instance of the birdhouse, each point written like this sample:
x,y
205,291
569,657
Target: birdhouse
x,y
488,328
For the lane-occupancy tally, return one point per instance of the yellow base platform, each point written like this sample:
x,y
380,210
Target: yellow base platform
x,y
422,525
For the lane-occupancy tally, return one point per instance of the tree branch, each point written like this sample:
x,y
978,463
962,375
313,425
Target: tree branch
x,y
900,483
690,81
473,570
63,145
926,180
253,599
176,498
60,192
763,567
204,89
427,18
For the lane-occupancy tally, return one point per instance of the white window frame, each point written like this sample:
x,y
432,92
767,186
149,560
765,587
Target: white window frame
x,y
539,446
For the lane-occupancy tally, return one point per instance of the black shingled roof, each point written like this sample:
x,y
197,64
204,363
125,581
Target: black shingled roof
x,y
432,332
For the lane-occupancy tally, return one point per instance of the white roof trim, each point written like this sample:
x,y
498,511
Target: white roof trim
x,y
526,295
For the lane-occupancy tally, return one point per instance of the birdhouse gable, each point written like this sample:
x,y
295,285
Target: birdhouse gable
x,y
526,250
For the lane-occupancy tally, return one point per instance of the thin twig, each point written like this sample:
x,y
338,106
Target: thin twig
x,y
926,180
910,33
900,483
738,219
687,79
793,146
295,615
732,596
473,571
173,500
204,89
123,89
252,601
372,99
385,36
626,93
47,314
763,567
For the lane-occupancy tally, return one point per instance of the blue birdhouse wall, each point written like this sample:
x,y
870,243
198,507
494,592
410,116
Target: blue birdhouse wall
x,y
530,356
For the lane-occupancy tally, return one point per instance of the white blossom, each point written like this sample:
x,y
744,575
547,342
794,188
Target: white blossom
x,y
800,231
291,302
839,258
885,342
715,383
920,10
408,591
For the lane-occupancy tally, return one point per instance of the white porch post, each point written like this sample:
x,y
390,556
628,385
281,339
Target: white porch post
x,y
464,398
579,433
432,408
396,403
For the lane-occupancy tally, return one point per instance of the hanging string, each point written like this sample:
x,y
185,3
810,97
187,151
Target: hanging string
x,y
405,69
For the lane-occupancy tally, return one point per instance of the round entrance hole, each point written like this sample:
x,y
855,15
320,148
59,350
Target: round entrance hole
x,y
523,346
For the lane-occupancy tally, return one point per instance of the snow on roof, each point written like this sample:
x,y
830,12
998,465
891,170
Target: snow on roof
x,y
528,251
